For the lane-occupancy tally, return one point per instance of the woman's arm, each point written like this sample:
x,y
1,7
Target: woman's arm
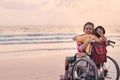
x,y
85,44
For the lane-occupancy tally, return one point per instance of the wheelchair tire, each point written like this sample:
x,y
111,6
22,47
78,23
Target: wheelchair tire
x,y
88,71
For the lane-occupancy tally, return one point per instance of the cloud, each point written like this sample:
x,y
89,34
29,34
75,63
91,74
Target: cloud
x,y
22,4
59,11
31,4
67,3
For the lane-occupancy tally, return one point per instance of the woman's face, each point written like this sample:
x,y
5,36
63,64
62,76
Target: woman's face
x,y
88,29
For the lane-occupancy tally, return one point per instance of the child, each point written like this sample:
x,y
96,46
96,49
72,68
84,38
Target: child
x,y
99,32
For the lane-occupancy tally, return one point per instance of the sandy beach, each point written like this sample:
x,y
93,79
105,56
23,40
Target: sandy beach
x,y
40,59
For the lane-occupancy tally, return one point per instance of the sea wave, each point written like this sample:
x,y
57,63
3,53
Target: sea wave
x,y
40,38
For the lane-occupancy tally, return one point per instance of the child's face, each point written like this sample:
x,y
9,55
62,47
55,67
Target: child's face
x,y
88,29
100,31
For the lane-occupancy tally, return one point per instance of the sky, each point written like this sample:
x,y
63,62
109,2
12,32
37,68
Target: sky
x,y
59,12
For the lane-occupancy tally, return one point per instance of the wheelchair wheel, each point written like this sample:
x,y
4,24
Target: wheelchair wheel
x,y
84,69
111,69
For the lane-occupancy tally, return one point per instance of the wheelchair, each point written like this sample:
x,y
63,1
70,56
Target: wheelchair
x,y
84,68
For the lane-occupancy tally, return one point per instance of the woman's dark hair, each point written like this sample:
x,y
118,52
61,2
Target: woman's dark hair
x,y
88,23
95,31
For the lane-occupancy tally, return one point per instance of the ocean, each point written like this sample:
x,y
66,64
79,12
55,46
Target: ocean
x,y
47,35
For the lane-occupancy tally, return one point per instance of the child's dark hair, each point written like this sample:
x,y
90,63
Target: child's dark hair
x,y
95,31
88,23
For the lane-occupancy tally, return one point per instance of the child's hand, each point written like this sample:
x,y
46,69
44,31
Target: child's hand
x,y
91,39
100,32
74,38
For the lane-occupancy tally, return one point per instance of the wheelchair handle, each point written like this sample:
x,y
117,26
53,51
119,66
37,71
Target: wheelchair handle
x,y
109,43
